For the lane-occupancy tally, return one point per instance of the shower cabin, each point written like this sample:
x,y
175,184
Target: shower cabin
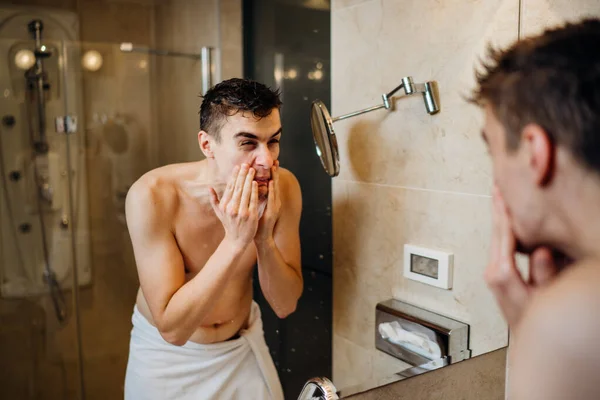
x,y
45,223
78,125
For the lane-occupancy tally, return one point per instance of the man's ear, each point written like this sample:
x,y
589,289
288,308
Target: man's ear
x,y
206,143
540,152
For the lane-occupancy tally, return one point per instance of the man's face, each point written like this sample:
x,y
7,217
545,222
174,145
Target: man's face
x,y
513,176
247,139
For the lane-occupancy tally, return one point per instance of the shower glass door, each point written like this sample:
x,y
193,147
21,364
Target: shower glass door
x,y
137,109
42,201
67,291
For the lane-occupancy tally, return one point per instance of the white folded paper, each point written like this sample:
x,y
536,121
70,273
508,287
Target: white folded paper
x,y
416,342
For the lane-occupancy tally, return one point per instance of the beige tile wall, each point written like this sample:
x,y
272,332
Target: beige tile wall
x,y
116,21
540,14
408,177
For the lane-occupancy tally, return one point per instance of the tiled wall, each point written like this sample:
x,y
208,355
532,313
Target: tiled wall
x,y
407,177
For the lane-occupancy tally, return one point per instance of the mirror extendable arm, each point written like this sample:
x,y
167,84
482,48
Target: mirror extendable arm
x,y
409,88
354,114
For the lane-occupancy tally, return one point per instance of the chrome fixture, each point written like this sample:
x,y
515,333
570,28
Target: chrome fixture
x,y
322,123
318,389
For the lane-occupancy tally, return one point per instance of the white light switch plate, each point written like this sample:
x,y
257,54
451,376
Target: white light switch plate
x,y
431,266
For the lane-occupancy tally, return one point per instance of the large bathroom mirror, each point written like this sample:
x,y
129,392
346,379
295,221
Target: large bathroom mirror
x,y
415,173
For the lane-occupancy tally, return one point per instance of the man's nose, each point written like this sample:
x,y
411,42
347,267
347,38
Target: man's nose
x,y
264,158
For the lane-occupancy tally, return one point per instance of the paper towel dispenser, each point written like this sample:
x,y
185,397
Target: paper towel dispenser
x,y
417,336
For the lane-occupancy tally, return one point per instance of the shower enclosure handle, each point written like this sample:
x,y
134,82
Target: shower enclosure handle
x,y
206,70
279,74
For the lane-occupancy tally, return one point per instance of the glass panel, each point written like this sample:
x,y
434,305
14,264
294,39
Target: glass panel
x,y
120,102
38,335
136,110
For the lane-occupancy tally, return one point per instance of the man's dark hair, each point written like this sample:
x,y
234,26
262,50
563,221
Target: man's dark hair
x,y
552,80
232,96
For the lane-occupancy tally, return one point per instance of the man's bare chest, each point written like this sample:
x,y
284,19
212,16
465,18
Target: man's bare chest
x,y
198,241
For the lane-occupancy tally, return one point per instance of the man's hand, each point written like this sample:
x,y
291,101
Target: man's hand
x,y
238,208
502,275
271,215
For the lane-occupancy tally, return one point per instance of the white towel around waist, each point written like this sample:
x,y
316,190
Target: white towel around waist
x,y
241,368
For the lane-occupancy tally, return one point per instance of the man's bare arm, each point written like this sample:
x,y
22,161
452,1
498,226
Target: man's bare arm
x,y
177,307
555,354
279,267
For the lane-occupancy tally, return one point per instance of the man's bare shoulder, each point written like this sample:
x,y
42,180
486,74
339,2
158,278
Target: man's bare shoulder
x,y
154,188
574,293
571,300
556,351
290,187
157,190
289,181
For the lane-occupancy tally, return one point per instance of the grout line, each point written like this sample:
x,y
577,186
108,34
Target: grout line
x,y
350,6
416,188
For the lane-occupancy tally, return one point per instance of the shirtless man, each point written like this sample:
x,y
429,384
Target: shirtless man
x,y
542,127
198,229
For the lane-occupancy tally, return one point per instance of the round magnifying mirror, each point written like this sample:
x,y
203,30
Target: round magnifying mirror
x,y
324,136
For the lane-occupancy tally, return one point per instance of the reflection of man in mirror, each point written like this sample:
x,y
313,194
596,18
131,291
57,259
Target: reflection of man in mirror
x,y
542,126
198,229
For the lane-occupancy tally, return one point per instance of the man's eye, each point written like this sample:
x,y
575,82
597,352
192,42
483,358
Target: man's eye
x,y
247,143
274,141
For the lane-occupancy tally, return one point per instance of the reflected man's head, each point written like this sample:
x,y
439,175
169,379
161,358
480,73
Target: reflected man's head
x,y
542,119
